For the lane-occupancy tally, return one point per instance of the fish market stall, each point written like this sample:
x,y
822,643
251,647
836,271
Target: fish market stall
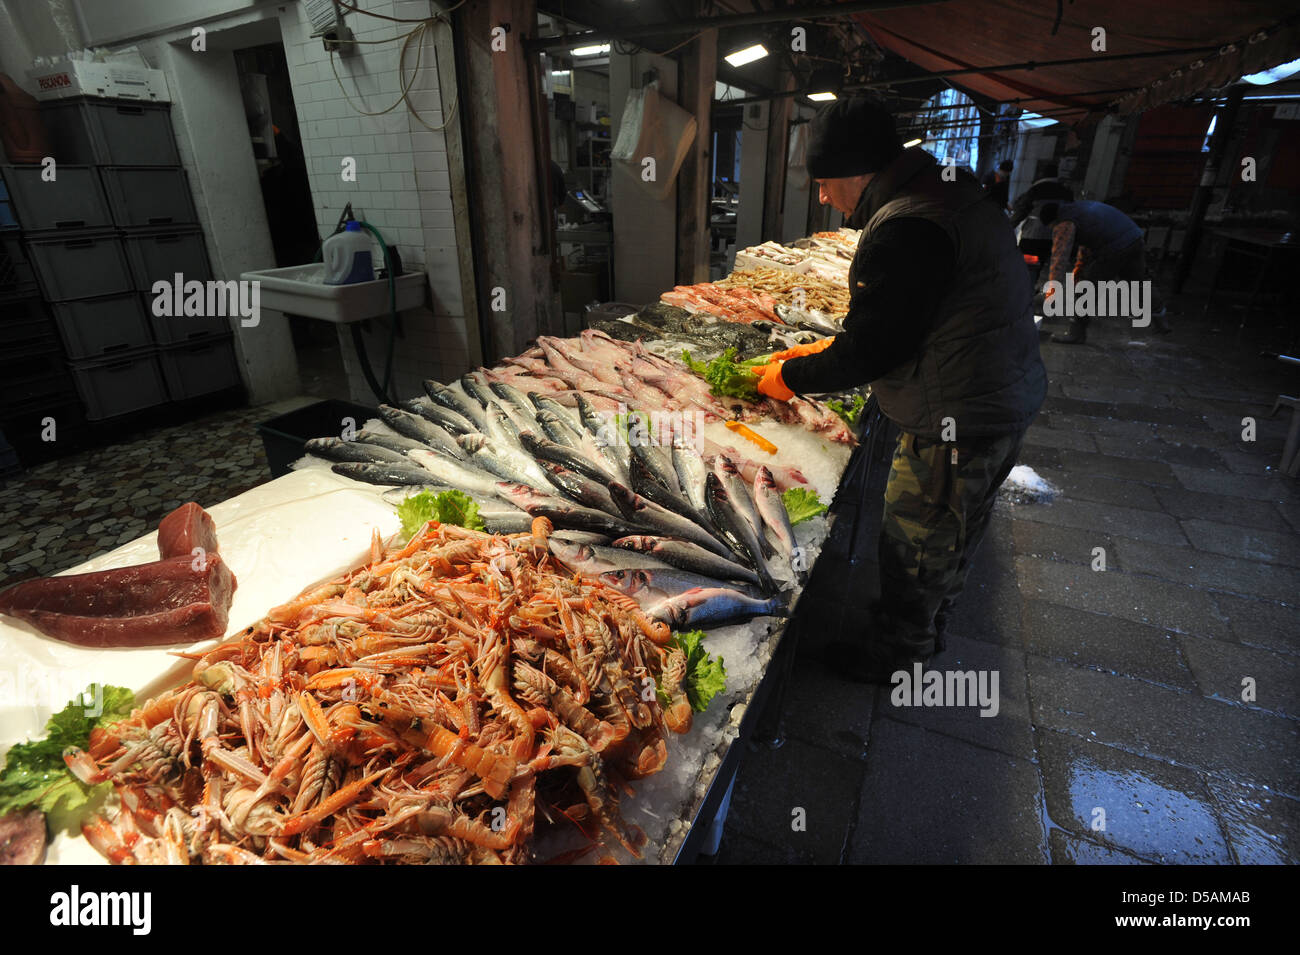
x,y
548,686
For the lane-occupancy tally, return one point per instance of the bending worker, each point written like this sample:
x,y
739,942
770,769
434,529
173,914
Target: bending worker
x,y
1104,245
940,323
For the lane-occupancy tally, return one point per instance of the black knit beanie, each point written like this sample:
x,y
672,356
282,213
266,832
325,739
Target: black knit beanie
x,y
851,137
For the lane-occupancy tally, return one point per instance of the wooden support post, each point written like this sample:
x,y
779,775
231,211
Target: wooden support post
x,y
509,176
697,74
779,114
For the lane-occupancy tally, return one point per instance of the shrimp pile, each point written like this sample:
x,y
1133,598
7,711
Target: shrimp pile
x,y
436,705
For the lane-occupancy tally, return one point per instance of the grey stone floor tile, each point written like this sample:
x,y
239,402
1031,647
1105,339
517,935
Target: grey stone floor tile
x,y
1105,519
1083,486
827,711
1184,504
929,798
1201,569
1220,669
1246,543
1263,826
1103,642
1006,730
1157,603
1128,469
1069,544
1154,810
1054,438
1229,484
773,785
1183,728
1071,850
1261,623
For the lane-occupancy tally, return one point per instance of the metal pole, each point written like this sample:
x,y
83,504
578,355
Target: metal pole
x,y
677,27
1002,68
1227,118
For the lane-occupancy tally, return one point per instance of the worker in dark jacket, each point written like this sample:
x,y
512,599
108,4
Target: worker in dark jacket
x,y
940,323
1099,244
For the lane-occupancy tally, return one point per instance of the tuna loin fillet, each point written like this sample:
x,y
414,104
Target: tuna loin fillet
x,y
178,600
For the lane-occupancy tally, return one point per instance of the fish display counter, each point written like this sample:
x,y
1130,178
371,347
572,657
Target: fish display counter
x,y
523,617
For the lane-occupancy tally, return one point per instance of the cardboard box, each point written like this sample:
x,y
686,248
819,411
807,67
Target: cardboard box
x,y
110,80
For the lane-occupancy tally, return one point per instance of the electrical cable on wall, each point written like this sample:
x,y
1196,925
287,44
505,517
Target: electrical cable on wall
x,y
419,32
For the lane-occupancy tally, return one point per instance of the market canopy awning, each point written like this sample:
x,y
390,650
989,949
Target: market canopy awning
x,y
1155,51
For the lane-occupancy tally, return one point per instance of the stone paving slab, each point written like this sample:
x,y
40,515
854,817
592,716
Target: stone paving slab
x,y
1220,668
1155,449
1103,490
1193,504
1154,810
1209,571
1112,427
1263,827
1197,437
928,798
1071,850
1007,730
1053,438
1106,643
1105,519
1141,599
1128,469
772,784
1291,511
1231,485
1180,728
739,849
1247,543
826,711
1034,539
1261,623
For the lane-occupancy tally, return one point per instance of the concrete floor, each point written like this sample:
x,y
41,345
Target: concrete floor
x,y
1122,735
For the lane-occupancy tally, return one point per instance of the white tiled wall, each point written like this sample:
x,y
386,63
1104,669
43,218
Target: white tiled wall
x,y
402,183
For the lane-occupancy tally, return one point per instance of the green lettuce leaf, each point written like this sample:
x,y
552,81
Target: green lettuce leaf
x,y
728,378
850,414
706,677
802,504
35,775
446,507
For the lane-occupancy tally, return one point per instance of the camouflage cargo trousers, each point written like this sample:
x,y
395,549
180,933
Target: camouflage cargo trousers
x,y
937,506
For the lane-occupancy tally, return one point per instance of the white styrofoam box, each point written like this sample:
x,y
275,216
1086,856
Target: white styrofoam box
x,y
114,80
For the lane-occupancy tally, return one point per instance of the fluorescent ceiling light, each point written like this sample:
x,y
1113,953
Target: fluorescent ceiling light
x,y
748,55
1265,77
559,72
821,97
912,142
590,50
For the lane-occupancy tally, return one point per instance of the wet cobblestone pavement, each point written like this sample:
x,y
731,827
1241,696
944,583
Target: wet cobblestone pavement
x,y
1122,735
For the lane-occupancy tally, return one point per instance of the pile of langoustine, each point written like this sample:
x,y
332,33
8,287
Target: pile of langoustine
x,y
436,705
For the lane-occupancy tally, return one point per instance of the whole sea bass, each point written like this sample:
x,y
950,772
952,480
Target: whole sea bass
x,y
704,607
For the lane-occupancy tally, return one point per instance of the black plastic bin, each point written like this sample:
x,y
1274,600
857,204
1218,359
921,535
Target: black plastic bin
x,y
284,436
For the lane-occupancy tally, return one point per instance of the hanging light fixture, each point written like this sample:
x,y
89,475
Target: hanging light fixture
x,y
746,55
596,50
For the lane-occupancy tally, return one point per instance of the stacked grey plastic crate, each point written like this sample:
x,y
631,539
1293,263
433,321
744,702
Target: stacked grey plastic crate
x,y
116,218
34,384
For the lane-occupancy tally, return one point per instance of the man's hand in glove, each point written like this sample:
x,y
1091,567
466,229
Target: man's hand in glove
x,y
770,382
800,350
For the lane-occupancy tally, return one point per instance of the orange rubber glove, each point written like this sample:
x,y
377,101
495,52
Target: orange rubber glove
x,y
770,382
800,350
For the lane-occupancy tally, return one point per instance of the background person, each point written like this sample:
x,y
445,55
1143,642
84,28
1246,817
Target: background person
x,y
998,184
1104,245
